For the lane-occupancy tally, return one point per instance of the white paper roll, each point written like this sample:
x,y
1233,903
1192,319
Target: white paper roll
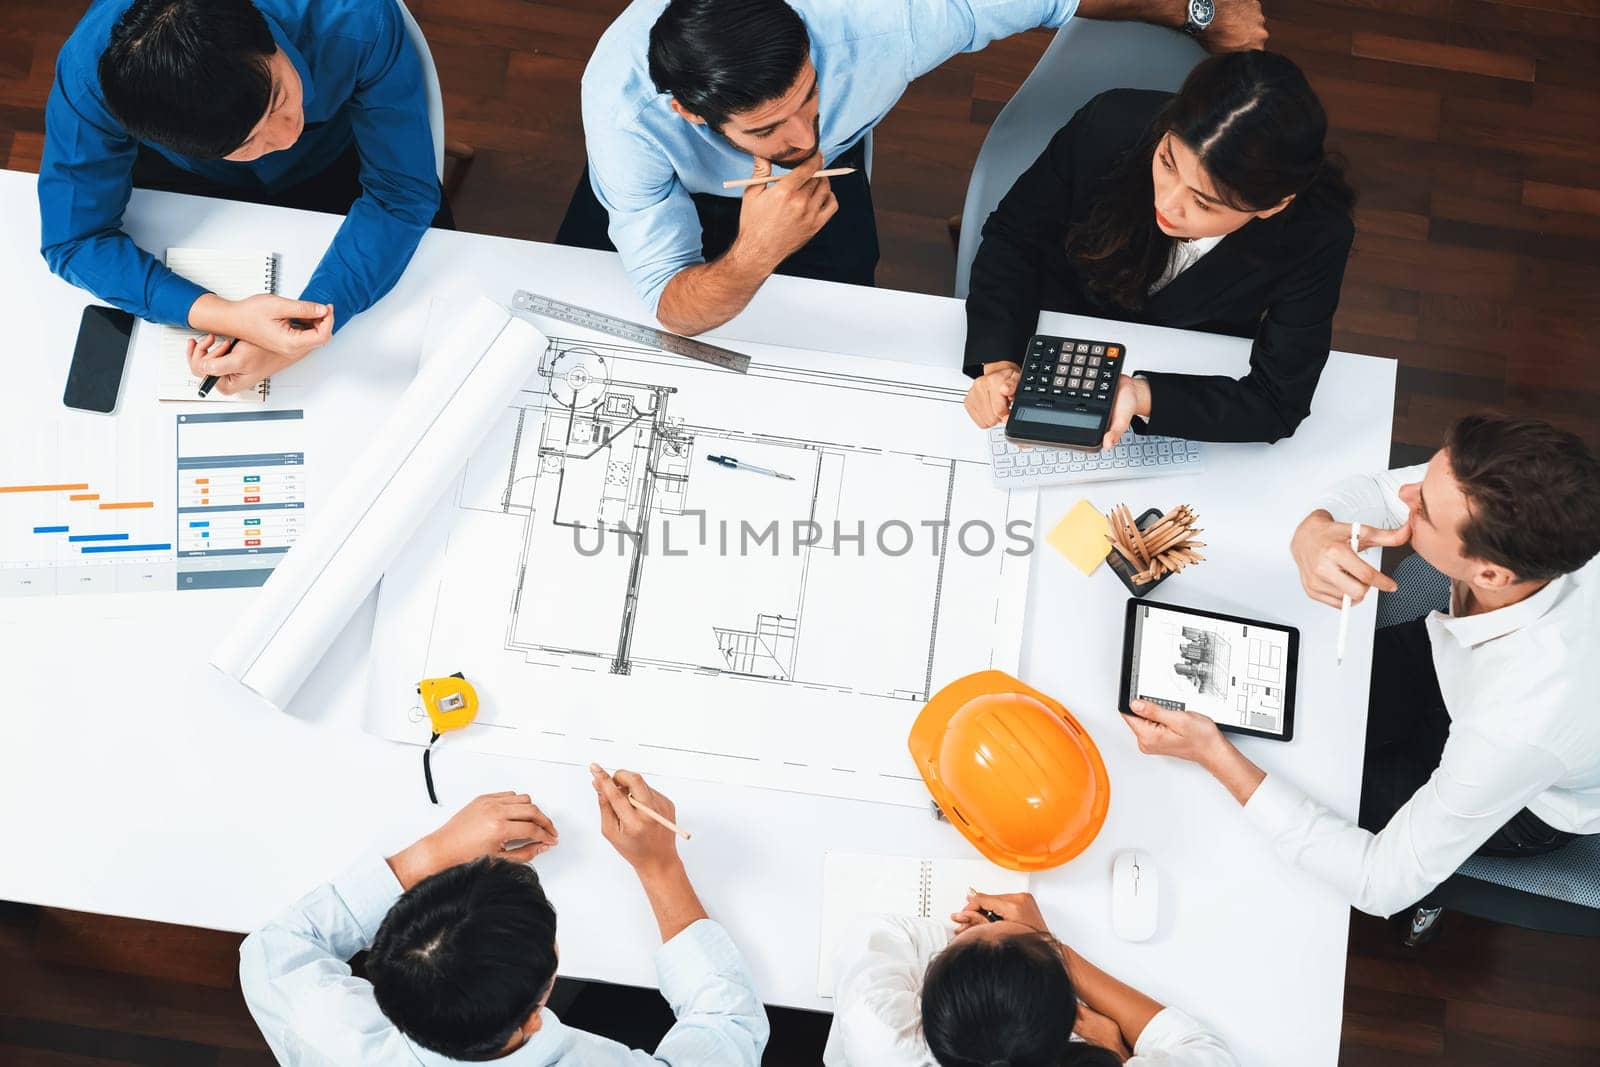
x,y
441,419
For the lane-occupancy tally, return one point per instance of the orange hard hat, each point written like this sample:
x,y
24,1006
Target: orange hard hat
x,y
1012,769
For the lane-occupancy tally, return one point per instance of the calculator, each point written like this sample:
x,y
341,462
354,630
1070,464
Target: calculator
x,y
1065,396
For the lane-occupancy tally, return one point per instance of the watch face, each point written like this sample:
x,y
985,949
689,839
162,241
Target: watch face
x,y
1201,12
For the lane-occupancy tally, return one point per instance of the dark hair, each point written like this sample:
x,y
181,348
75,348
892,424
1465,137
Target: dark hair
x,y
464,957
191,75
1533,494
716,57
1256,126
1004,1003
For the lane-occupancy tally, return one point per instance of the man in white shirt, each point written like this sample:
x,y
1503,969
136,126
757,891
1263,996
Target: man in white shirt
x,y
994,987
1482,733
461,952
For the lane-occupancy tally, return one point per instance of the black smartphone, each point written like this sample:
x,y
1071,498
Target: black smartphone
x,y
95,377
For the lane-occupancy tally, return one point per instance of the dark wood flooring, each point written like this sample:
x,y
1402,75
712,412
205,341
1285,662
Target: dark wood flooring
x,y
1473,130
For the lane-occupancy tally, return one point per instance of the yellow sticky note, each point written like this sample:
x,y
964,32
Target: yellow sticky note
x,y
1081,537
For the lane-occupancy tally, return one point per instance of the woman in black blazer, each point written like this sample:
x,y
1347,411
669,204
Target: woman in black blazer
x,y
1139,184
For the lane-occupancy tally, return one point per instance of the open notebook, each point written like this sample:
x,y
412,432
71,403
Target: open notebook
x,y
230,274
856,883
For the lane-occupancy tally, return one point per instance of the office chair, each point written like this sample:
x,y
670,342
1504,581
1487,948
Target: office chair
x,y
1087,57
1558,892
463,154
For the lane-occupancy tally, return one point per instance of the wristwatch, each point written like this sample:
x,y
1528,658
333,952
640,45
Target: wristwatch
x,y
1198,17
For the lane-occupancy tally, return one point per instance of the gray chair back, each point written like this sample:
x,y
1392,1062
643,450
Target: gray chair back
x,y
430,81
1087,57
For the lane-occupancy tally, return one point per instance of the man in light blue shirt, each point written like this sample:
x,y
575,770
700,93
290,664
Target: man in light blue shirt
x,y
682,96
461,952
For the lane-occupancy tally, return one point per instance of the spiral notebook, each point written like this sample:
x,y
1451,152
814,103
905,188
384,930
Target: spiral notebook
x,y
856,883
232,275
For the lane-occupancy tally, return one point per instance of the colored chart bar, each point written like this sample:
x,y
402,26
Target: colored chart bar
x,y
198,525
128,504
49,529
43,488
84,496
75,538
87,549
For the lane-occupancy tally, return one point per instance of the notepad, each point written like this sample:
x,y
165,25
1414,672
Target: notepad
x,y
856,883
232,275
1082,537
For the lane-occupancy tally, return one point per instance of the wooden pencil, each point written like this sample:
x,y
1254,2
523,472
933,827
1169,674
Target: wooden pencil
x,y
745,183
649,812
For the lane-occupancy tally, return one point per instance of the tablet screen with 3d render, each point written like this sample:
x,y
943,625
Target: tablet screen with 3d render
x,y
1239,672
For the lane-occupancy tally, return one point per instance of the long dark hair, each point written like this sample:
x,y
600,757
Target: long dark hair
x,y
1004,1003
1256,126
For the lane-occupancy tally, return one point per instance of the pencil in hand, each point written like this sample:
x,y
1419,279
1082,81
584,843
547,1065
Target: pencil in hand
x,y
745,183
641,807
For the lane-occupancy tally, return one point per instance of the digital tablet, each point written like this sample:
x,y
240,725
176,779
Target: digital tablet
x,y
1239,672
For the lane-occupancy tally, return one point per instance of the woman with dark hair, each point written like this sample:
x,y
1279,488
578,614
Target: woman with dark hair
x,y
1214,209
998,993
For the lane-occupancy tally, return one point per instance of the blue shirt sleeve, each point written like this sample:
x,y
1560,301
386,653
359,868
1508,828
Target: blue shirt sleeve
x,y
943,28
654,224
297,982
85,179
399,183
721,1021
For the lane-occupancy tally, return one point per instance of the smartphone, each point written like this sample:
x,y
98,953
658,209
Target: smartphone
x,y
95,377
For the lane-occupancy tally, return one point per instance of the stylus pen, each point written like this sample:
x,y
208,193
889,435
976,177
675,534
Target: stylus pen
x,y
738,465
1344,606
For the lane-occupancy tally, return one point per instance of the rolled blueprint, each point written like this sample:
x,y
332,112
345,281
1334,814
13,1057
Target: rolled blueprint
x,y
442,418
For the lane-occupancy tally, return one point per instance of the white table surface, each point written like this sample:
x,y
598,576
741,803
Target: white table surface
x,y
135,780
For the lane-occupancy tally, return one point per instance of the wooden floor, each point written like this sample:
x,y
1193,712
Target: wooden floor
x,y
1473,130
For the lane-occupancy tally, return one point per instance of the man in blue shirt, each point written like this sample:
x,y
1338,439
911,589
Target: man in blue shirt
x,y
681,96
308,103
461,952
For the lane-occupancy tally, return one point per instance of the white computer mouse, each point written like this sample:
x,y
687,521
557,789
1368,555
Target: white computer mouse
x,y
1135,895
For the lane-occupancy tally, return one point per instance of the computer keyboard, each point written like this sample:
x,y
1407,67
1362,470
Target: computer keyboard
x,y
1016,467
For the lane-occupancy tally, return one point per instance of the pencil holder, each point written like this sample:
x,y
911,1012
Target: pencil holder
x,y
1124,570
1147,550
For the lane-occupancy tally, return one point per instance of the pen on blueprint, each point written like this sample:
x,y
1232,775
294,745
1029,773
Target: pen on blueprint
x,y
739,465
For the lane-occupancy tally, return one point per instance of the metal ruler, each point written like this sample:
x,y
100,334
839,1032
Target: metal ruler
x,y
648,336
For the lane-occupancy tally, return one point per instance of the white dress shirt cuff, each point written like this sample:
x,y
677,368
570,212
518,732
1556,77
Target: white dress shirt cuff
x,y
369,889
1173,1037
1275,806
689,962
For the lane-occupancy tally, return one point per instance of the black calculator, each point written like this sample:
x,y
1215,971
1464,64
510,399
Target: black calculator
x,y
1067,389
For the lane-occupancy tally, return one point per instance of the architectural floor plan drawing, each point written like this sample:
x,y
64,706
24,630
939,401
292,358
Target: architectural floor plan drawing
x,y
617,594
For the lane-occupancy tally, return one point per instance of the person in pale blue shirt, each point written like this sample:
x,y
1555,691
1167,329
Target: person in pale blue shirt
x,y
461,952
681,96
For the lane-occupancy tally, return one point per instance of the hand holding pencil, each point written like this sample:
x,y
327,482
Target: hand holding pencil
x,y
779,214
637,820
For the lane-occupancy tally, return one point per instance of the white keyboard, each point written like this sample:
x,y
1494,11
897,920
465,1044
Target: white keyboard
x,y
1033,467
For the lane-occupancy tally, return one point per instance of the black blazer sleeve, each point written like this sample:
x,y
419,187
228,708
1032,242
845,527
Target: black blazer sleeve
x,y
1286,360
1021,239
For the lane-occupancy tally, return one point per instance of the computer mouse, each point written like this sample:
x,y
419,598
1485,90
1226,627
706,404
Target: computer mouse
x,y
1135,895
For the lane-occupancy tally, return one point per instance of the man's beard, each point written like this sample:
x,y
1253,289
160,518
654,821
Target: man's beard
x,y
792,161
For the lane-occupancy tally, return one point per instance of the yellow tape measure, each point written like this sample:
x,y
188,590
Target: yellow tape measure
x,y
451,703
